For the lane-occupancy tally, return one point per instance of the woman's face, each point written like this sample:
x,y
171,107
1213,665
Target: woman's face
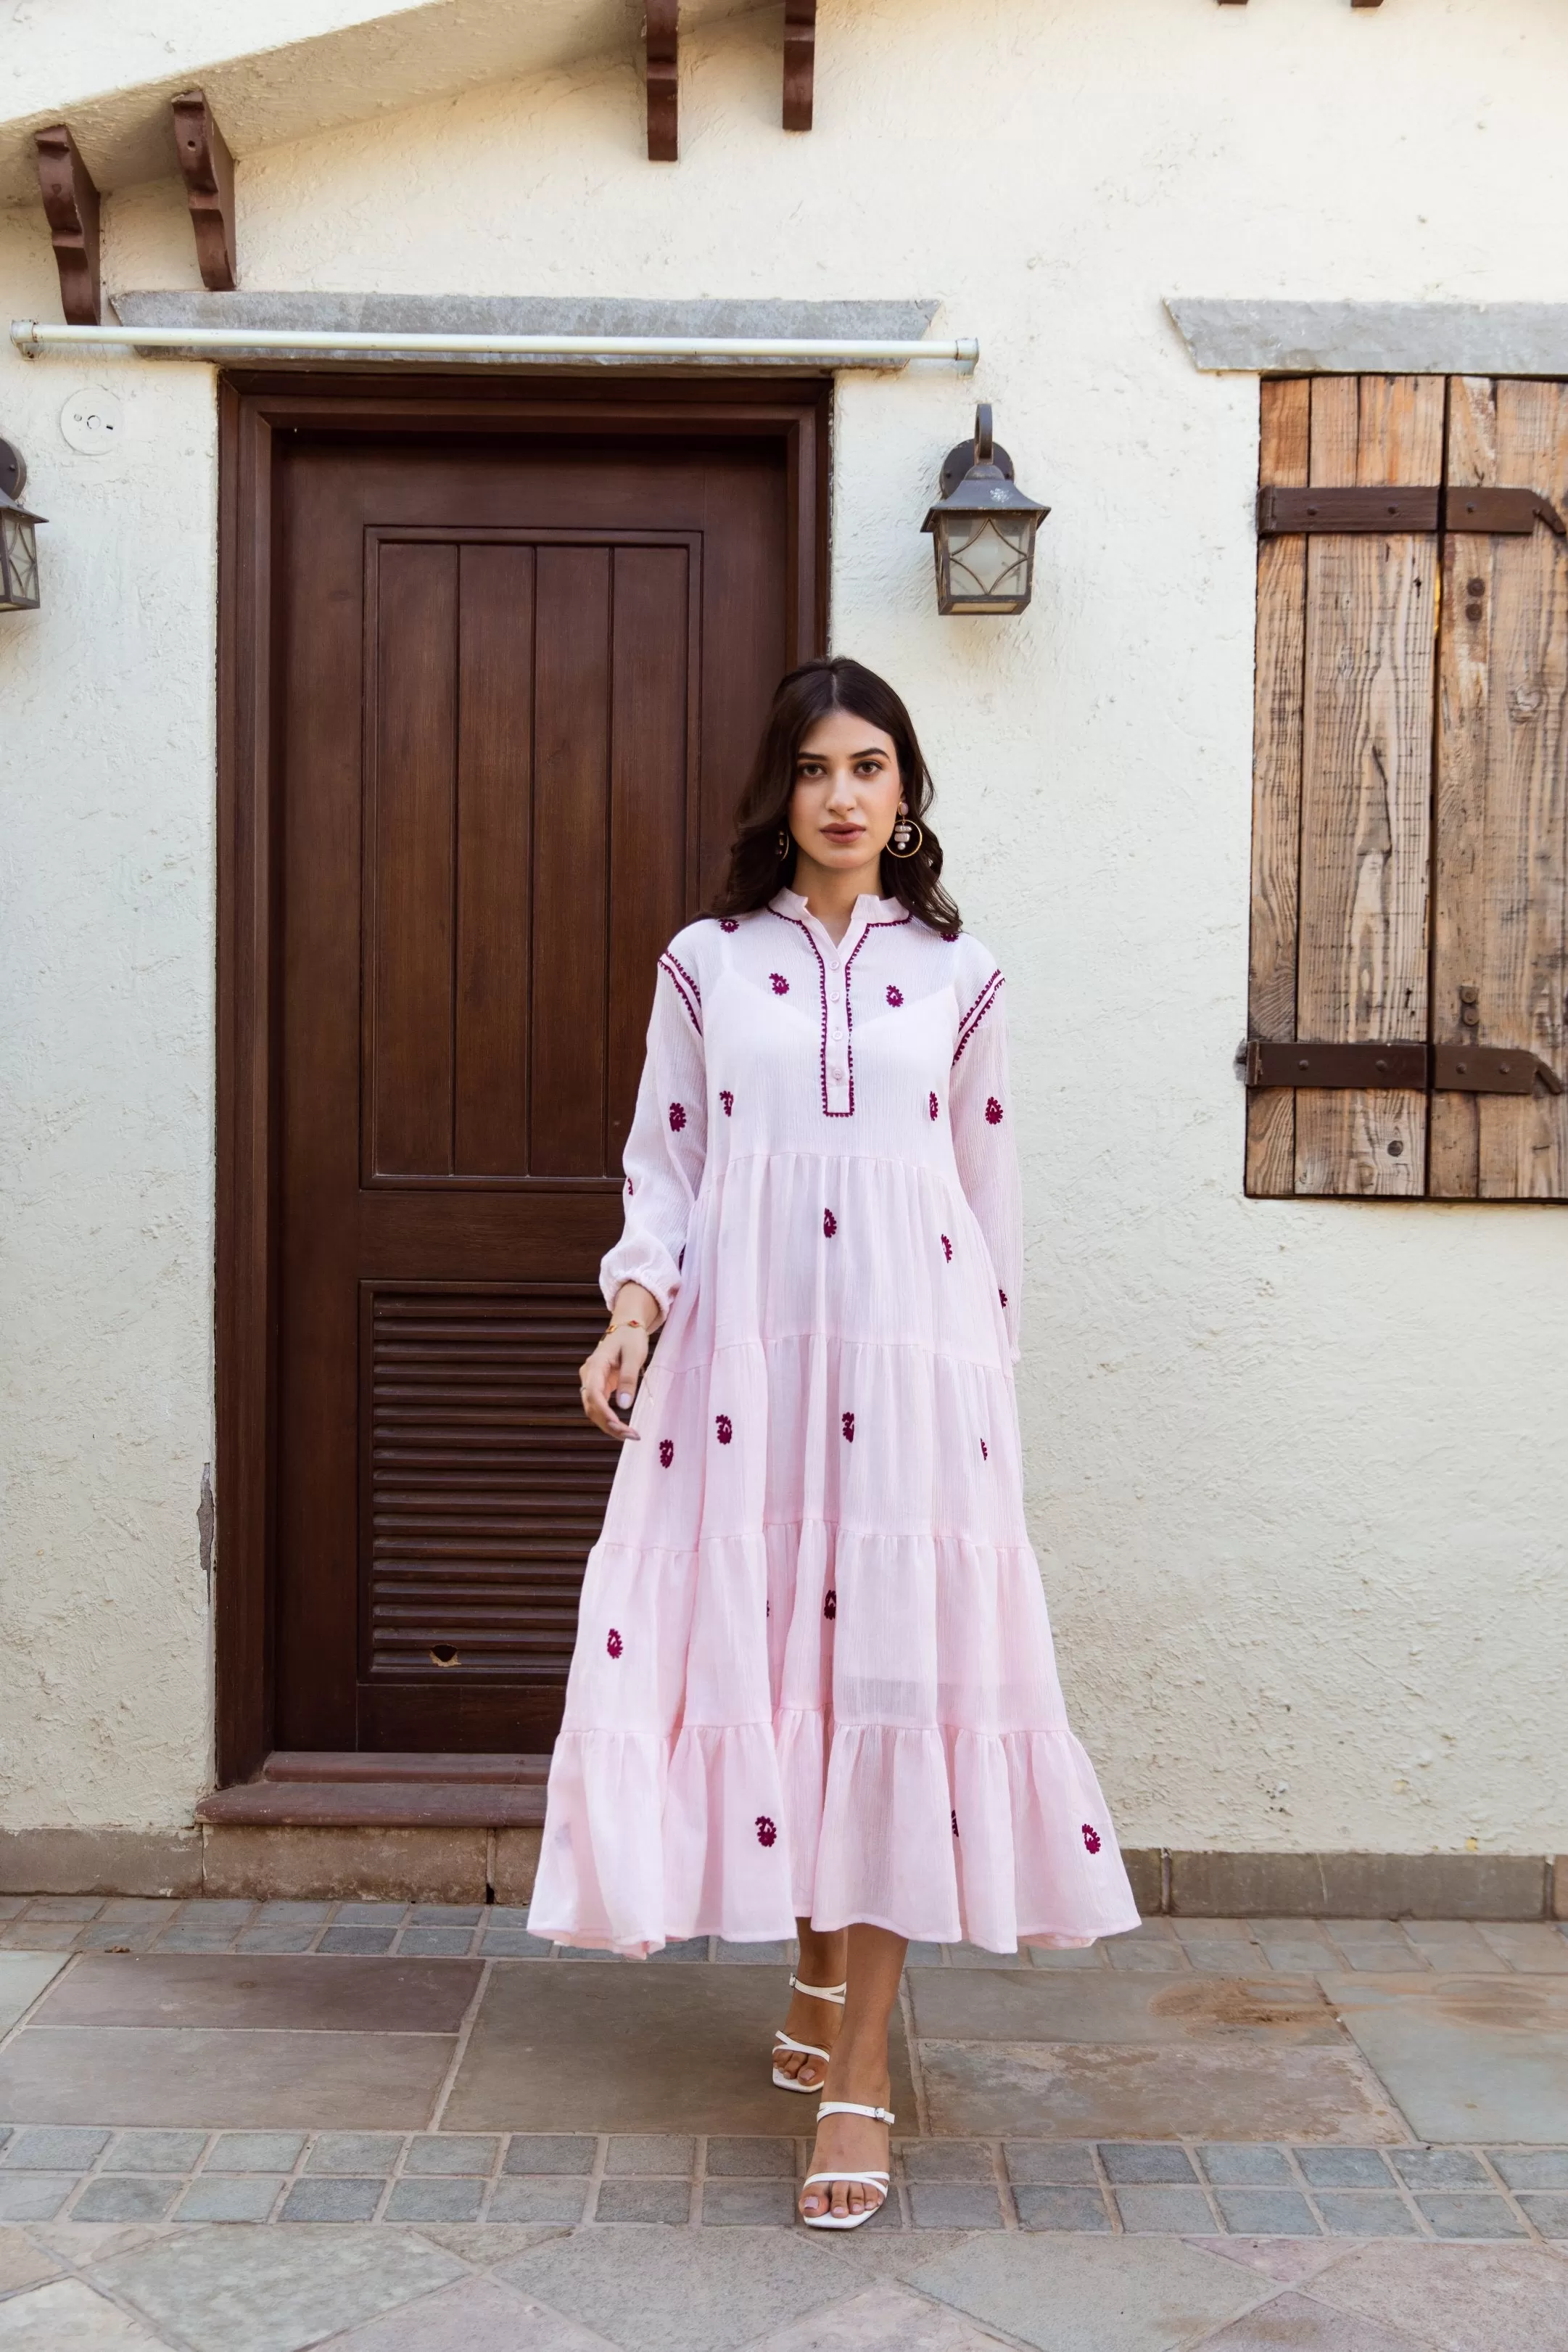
x,y
847,785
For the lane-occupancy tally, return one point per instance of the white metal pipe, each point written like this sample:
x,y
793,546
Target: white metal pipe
x,y
35,339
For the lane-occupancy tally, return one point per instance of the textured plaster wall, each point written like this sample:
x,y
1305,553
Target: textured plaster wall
x,y
1297,1472
106,1099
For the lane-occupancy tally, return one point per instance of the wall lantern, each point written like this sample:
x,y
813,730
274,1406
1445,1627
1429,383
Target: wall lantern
x,y
982,528
18,547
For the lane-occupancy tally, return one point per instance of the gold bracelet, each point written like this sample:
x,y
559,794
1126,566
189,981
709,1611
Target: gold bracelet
x,y
632,1323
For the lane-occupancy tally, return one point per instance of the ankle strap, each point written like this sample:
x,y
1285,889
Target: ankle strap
x,y
821,1992
851,2107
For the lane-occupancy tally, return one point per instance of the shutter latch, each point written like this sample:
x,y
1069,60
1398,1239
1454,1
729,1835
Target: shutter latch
x,y
1406,1064
1398,506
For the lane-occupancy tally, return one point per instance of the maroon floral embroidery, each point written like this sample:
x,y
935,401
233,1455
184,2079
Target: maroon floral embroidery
x,y
849,1427
946,1249
993,1112
895,995
766,1832
678,1116
1091,1837
985,1451
948,935
614,1644
829,1223
666,1450
953,1819
829,1602
724,1427
932,1099
1003,1296
682,1259
628,1188
729,924
727,1099
780,985
845,1071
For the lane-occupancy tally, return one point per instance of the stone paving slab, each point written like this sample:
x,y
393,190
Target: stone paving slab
x,y
642,2288
194,1990
1160,1946
172,2077
1219,2091
1467,2056
631,2050
1184,2189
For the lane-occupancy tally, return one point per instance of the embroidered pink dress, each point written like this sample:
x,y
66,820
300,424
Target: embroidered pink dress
x,y
813,1673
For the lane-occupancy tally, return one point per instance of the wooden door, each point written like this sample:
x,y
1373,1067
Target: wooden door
x,y
518,679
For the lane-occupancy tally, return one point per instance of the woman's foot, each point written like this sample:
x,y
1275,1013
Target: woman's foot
x,y
821,1962
846,2144
815,2022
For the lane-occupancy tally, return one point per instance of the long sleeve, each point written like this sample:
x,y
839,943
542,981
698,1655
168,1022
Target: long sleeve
x,y
666,1146
983,1144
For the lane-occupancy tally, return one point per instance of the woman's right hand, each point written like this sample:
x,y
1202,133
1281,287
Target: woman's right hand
x,y
615,1366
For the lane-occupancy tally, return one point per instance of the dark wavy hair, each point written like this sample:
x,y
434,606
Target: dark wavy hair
x,y
755,869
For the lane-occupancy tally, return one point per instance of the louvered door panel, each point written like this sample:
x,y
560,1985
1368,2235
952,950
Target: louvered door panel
x,y
483,1486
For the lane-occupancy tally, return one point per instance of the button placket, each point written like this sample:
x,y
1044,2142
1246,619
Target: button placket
x,y
837,1043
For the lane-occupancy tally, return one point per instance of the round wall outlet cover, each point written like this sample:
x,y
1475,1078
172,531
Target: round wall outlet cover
x,y
93,421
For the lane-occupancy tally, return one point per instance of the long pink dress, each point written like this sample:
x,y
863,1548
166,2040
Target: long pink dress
x,y
814,1672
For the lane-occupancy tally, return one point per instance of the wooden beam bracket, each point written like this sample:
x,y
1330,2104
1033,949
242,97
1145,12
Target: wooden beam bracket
x,y
70,207
800,62
207,169
664,40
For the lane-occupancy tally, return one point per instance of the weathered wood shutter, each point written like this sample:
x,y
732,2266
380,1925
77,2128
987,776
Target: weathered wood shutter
x,y
1410,814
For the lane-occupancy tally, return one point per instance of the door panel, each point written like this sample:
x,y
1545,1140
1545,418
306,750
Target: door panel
x,y
520,683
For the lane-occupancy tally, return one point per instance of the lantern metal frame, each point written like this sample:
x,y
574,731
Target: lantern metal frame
x,y
980,501
18,546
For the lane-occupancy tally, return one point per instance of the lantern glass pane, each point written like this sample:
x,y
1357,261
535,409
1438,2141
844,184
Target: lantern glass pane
x,y
989,560
18,563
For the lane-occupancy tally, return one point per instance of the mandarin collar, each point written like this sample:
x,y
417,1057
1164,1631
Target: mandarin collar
x,y
867,908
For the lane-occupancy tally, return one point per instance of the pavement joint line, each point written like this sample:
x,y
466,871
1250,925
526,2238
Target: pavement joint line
x,y
1103,2182
700,2174
1004,2186
590,2215
460,2049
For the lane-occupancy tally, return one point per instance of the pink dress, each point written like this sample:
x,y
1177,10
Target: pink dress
x,y
813,1673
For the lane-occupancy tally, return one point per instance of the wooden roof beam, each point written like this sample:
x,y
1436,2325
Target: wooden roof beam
x,y
800,62
70,207
207,168
663,32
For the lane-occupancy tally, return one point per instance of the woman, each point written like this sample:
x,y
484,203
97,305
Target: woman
x,y
813,1685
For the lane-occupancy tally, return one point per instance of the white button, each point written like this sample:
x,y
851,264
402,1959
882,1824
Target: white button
x,y
838,1028
835,1072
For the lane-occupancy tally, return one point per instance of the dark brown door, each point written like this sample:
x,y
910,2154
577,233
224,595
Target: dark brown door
x,y
519,680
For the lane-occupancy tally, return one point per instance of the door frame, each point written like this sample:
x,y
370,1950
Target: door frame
x,y
253,407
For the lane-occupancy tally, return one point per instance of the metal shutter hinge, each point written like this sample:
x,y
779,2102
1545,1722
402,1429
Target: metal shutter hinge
x,y
1415,1067
1395,507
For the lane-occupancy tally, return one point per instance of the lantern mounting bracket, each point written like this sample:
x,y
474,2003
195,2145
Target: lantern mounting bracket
x,y
13,471
966,454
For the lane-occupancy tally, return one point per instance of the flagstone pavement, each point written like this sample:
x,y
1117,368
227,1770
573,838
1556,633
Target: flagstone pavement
x,y
385,2127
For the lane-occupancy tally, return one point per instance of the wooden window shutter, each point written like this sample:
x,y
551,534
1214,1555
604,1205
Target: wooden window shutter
x,y
1410,795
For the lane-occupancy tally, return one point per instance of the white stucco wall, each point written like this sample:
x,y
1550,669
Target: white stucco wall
x,y
1297,1474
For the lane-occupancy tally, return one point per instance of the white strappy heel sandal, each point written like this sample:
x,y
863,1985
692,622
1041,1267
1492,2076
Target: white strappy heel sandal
x,y
830,2220
783,2041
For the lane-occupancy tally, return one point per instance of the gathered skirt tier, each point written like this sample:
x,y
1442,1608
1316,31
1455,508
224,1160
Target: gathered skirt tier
x,y
814,1674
